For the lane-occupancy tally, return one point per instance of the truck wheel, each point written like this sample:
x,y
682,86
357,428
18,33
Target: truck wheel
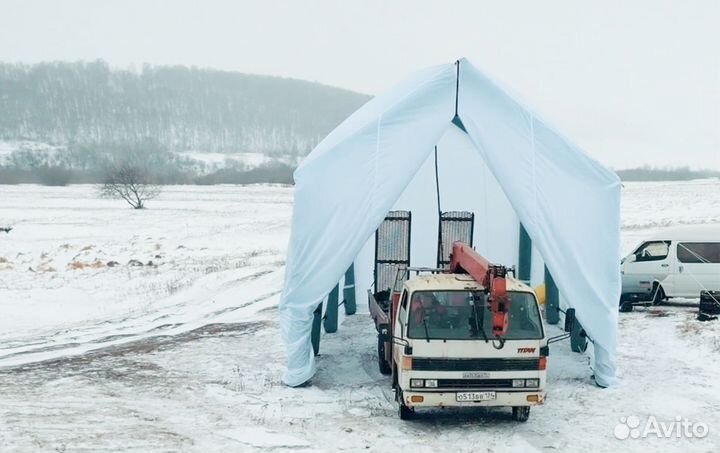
x,y
382,363
626,306
404,412
521,413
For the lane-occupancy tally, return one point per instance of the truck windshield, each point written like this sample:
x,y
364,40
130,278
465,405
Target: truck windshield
x,y
449,315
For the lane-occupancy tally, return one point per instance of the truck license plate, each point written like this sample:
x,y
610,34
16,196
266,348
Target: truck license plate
x,y
476,375
474,396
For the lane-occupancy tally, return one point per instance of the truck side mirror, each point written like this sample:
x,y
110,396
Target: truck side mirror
x,y
631,258
569,319
408,350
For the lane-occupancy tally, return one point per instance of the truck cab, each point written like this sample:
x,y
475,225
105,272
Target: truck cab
x,y
438,345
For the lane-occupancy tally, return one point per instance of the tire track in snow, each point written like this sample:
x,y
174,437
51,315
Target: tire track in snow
x,y
80,333
229,301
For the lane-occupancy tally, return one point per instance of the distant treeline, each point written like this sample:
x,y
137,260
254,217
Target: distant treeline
x,y
272,172
91,164
665,174
180,108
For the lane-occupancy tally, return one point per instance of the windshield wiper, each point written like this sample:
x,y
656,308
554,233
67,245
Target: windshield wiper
x,y
427,335
479,324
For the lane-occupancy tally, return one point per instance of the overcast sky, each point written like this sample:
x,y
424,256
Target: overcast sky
x,y
631,82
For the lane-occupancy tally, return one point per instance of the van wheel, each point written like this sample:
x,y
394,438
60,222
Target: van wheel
x,y
626,306
383,366
521,413
659,295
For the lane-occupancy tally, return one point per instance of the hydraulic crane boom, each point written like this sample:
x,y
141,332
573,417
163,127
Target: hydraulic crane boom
x,y
465,260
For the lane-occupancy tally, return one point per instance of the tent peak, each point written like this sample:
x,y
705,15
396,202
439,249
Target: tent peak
x,y
458,122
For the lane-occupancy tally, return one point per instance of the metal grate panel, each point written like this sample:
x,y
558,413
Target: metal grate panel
x,y
454,226
392,248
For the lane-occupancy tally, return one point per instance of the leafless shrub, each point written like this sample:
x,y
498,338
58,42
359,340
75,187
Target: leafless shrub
x,y
130,183
79,265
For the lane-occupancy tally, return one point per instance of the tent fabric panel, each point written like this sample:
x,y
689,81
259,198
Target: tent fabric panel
x,y
545,177
345,188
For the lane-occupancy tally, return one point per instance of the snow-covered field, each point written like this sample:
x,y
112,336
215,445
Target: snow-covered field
x,y
182,352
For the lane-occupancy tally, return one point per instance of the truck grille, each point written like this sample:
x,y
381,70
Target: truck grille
x,y
474,383
524,364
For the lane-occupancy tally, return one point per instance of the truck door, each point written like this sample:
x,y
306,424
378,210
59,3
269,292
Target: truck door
x,y
399,323
698,267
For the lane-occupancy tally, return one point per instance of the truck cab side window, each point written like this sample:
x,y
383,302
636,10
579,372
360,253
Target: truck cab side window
x,y
402,308
652,251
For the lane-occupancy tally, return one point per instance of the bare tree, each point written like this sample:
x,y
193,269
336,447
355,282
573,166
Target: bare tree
x,y
130,183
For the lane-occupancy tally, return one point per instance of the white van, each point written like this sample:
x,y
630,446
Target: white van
x,y
676,262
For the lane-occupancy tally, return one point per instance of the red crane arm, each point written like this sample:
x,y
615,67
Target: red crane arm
x,y
466,260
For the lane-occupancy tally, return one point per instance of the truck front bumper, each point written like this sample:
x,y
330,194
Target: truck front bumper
x,y
448,399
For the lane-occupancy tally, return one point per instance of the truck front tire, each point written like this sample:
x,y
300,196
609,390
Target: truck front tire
x,y
521,413
404,412
383,366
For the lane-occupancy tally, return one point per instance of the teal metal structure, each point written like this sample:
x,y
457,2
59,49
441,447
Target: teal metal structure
x,y
331,310
578,340
315,333
349,291
524,256
552,299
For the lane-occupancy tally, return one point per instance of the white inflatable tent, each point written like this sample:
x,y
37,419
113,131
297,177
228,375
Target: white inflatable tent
x,y
495,158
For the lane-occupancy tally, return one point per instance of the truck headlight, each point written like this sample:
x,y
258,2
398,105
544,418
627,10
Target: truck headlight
x,y
518,383
532,383
417,383
431,383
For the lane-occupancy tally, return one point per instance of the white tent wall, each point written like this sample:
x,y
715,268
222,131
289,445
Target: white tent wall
x,y
343,191
568,203
465,185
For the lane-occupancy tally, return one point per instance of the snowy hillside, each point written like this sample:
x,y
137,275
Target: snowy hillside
x,y
157,331
182,108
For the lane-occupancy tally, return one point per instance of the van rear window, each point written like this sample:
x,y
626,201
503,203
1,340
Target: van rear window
x,y
698,252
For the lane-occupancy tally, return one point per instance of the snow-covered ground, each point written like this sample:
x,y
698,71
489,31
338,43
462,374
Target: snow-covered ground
x,y
183,353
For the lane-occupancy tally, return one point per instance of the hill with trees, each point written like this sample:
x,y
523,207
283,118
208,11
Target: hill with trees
x,y
76,117
181,108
